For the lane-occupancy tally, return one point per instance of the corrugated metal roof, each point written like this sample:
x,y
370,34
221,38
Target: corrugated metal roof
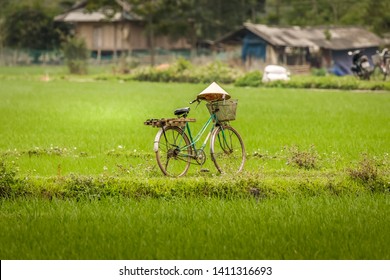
x,y
281,36
80,14
335,38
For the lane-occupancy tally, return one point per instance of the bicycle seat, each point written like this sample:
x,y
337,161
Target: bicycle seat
x,y
182,111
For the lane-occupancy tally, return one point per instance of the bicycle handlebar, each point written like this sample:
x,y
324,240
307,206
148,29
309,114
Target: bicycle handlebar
x,y
196,100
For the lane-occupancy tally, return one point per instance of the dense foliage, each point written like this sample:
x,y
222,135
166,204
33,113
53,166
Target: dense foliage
x,y
32,28
30,24
369,13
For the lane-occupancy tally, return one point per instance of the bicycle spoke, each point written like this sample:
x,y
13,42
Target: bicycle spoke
x,y
227,150
225,141
173,148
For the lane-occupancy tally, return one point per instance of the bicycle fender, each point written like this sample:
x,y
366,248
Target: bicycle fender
x,y
155,146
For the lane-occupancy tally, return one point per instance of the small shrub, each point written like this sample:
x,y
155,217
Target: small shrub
x,y
367,173
251,79
76,55
319,72
303,159
217,71
366,170
182,64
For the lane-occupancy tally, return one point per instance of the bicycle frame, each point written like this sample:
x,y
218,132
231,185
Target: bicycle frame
x,y
198,136
195,139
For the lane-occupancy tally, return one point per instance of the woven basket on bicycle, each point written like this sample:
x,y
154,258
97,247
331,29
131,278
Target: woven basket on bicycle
x,y
225,110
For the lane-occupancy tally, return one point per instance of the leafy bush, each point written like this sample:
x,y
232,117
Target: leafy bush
x,y
183,71
182,64
251,79
319,72
76,55
218,71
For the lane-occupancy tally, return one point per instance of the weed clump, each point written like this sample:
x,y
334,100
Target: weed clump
x,y
303,159
367,173
7,179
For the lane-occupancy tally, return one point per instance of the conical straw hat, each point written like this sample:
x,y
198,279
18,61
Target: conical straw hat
x,y
213,93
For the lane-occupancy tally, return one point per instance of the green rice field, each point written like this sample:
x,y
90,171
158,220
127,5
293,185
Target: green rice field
x,y
293,228
79,179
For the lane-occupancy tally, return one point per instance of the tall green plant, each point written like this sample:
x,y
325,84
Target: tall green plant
x,y
7,178
76,55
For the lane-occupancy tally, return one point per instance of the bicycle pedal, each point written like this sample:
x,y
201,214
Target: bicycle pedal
x,y
205,170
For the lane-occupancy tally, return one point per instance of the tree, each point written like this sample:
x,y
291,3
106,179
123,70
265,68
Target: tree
x,y
373,14
32,28
377,15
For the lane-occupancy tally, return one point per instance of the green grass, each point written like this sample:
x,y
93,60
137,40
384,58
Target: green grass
x,y
78,177
38,71
90,119
294,228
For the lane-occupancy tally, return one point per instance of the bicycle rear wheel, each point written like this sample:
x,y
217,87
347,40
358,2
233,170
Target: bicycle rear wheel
x,y
173,151
227,150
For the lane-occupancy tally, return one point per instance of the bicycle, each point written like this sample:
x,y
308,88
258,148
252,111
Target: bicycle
x,y
176,149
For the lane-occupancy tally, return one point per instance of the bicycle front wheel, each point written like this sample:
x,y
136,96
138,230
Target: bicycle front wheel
x,y
173,151
227,150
